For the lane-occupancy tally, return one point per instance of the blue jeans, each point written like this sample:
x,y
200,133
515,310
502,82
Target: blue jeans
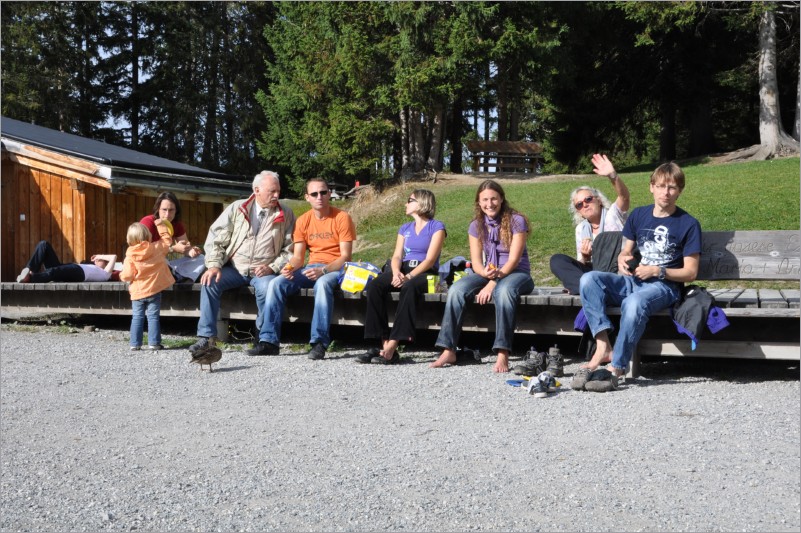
x,y
55,270
149,307
211,294
281,287
637,300
505,296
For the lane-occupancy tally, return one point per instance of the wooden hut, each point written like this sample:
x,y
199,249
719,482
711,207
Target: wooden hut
x,y
81,194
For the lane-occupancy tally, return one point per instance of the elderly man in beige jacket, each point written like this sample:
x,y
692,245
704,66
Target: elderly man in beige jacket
x,y
248,244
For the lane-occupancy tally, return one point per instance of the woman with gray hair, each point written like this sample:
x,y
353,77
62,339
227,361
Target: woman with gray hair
x,y
592,214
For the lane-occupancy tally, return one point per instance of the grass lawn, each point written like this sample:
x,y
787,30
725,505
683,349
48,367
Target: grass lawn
x,y
762,195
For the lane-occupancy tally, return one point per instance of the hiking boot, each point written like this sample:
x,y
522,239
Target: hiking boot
x,y
264,348
200,346
555,362
533,365
601,380
317,352
543,384
580,378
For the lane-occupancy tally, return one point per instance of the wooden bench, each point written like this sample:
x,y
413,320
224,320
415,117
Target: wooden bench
x,y
506,156
764,322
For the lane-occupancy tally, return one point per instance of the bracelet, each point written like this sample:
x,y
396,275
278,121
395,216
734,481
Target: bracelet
x,y
613,176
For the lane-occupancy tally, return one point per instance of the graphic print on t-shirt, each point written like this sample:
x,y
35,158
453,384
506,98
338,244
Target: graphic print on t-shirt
x,y
655,246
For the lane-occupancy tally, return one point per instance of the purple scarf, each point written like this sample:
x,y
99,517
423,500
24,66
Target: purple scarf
x,y
492,241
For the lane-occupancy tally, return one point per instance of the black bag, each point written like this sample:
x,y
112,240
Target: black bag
x,y
691,311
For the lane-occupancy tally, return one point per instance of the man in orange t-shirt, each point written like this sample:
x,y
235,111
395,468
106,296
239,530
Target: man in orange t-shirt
x,y
328,234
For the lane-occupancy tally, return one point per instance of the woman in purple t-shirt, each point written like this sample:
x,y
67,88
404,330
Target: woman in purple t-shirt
x,y
499,254
417,251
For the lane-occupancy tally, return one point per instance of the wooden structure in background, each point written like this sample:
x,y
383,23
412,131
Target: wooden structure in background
x,y
81,195
506,156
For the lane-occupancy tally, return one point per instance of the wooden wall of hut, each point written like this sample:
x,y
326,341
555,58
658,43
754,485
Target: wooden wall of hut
x,y
78,218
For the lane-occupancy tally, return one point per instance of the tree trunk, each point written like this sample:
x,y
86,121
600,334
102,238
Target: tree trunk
x,y
772,138
456,136
416,142
404,139
797,123
135,52
210,152
514,122
702,137
435,150
503,108
667,132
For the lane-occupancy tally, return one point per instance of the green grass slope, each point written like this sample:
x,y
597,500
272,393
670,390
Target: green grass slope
x,y
761,195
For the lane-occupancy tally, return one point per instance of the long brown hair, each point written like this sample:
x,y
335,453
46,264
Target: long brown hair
x,y
506,213
167,195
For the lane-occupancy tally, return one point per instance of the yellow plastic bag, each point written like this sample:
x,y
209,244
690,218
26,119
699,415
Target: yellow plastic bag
x,y
355,276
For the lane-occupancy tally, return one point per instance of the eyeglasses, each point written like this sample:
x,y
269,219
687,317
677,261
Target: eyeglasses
x,y
410,200
318,193
580,204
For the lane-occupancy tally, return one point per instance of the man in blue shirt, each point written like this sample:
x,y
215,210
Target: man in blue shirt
x,y
669,241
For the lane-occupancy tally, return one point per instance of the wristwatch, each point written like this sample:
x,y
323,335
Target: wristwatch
x,y
324,270
662,273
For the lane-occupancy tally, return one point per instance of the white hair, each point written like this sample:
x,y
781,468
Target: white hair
x,y
577,218
264,174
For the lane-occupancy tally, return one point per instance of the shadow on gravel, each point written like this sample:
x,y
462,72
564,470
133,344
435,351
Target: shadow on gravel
x,y
230,368
671,370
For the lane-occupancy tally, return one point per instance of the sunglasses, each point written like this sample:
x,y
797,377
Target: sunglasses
x,y
580,204
410,200
318,193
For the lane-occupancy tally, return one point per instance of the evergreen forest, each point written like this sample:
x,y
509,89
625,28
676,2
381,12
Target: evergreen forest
x,y
371,91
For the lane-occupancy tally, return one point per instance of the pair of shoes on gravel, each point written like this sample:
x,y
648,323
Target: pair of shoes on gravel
x,y
533,365
598,380
317,351
264,348
373,356
367,357
153,347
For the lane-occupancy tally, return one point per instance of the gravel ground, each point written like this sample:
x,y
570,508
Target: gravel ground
x,y
97,438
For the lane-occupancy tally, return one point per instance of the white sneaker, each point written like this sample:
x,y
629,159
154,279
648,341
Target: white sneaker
x,y
24,274
543,384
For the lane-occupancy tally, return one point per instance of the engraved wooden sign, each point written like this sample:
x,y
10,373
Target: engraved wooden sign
x,y
752,255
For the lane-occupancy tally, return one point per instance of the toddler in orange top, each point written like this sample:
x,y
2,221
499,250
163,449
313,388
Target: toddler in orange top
x,y
146,269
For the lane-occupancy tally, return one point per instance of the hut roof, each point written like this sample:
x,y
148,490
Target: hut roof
x,y
122,168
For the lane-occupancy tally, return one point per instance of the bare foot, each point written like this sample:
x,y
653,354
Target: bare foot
x,y
447,358
597,360
502,363
390,346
